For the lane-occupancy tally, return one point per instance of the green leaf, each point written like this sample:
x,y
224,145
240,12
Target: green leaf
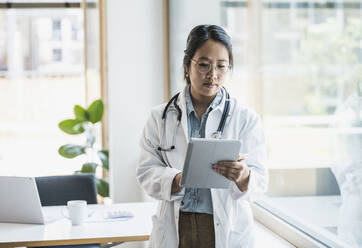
x,y
104,157
71,151
80,113
71,126
95,111
102,187
89,168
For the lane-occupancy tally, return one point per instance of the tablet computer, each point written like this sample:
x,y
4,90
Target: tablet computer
x,y
201,155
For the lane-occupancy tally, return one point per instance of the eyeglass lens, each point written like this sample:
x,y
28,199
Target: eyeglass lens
x,y
204,66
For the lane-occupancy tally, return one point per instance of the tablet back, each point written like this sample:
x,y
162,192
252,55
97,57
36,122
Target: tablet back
x,y
201,155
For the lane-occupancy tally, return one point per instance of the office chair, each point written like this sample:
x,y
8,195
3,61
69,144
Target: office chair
x,y
57,190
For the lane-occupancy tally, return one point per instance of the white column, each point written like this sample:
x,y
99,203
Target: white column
x,y
135,84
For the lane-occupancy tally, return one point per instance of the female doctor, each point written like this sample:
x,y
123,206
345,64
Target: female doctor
x,y
193,217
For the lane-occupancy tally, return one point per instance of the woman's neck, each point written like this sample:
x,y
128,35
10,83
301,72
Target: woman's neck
x,y
200,101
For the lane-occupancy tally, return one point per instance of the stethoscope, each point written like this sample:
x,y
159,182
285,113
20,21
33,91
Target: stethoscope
x,y
216,135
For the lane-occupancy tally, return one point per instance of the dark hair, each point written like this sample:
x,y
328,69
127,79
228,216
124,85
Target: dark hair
x,y
198,36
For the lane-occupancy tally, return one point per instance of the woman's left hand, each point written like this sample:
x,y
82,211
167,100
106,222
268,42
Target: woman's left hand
x,y
237,171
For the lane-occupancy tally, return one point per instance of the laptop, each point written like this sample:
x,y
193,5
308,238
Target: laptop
x,y
20,202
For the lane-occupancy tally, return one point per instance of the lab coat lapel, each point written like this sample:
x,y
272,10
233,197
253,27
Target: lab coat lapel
x,y
182,103
176,157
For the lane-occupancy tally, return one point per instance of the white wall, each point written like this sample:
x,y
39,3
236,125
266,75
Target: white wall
x,y
185,15
135,84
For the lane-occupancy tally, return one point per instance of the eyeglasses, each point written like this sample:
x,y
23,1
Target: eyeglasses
x,y
204,66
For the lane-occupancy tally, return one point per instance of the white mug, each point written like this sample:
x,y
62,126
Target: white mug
x,y
78,211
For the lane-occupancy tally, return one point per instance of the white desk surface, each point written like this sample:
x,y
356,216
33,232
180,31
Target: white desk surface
x,y
95,230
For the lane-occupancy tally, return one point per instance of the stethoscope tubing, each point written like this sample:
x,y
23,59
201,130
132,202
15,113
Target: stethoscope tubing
x,y
173,100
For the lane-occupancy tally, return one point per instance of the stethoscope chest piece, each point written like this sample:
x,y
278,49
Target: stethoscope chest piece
x,y
216,135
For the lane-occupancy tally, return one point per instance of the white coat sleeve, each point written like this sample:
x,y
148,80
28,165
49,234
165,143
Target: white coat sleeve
x,y
152,173
253,140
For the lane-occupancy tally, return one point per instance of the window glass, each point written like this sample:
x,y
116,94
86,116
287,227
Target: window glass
x,y
41,79
311,64
299,65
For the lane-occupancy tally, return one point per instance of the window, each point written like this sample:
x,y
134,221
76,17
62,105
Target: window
x,y
56,31
57,55
298,64
41,79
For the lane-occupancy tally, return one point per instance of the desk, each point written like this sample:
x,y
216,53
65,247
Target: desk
x,y
61,232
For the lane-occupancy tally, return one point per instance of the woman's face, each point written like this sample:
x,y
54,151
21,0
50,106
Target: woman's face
x,y
208,69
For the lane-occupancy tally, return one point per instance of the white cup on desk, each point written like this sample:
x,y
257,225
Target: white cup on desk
x,y
78,211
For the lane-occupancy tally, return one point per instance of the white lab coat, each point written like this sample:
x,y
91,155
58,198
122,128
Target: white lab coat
x,y
233,220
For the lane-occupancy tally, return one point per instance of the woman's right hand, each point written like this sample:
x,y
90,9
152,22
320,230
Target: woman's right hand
x,y
176,183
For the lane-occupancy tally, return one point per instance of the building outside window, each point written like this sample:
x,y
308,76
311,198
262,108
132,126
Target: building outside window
x,y
56,31
57,55
41,78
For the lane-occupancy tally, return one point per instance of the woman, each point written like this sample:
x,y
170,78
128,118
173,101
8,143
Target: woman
x,y
194,217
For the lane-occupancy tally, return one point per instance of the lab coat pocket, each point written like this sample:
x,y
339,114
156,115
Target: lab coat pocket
x,y
239,239
158,234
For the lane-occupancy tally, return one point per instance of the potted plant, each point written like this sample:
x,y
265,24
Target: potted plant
x,y
84,124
